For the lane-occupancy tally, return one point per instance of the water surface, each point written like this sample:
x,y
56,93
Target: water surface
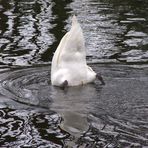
x,y
114,115
30,31
36,114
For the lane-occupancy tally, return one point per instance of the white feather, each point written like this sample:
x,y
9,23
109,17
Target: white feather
x,y
69,60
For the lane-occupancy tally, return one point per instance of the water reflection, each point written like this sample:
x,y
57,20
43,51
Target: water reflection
x,y
74,106
30,128
61,13
30,31
108,26
91,115
27,29
111,116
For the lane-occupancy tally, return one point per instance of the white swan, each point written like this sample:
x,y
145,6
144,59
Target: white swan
x,y
69,65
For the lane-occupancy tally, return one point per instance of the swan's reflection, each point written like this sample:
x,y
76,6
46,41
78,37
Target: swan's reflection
x,y
74,105
116,111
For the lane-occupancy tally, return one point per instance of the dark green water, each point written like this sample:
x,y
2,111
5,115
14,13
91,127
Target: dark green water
x,y
35,114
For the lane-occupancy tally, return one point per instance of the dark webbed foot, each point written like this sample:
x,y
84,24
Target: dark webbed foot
x,y
64,85
98,76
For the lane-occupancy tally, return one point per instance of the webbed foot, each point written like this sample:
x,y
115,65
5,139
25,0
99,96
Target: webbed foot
x,y
64,85
98,76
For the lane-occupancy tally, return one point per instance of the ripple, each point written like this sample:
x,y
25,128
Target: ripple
x,y
31,31
23,85
134,56
24,128
35,114
122,129
113,116
133,33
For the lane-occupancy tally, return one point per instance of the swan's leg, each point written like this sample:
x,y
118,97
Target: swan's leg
x,y
64,85
98,76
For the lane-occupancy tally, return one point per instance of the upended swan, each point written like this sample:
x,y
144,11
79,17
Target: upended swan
x,y
69,67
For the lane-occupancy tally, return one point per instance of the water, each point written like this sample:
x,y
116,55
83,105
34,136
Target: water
x,y
114,30
35,114
41,115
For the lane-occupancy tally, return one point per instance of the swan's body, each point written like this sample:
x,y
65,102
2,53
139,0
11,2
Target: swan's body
x,y
69,61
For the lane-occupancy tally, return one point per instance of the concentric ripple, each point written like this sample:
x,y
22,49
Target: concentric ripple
x,y
114,115
23,85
